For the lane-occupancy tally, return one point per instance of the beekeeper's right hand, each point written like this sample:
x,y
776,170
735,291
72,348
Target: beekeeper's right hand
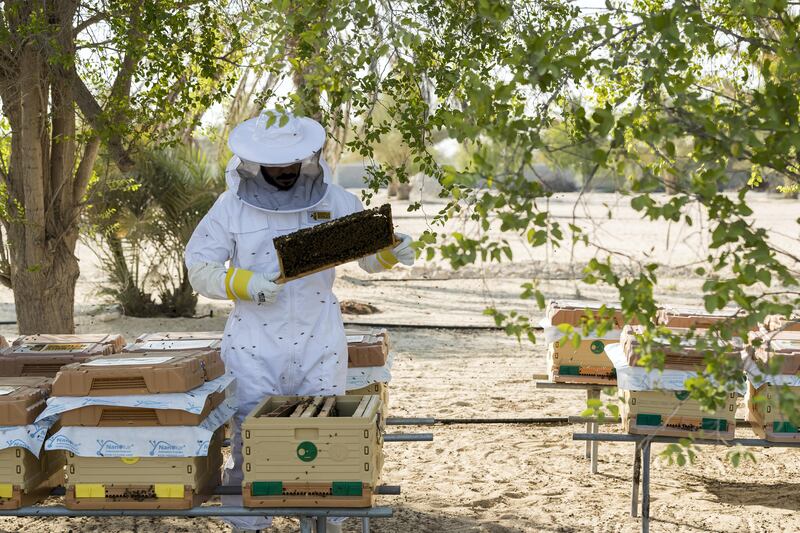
x,y
213,280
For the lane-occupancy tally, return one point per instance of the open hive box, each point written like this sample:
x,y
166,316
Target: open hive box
x,y
176,341
140,373
313,452
588,362
143,482
24,478
44,355
782,348
367,348
333,243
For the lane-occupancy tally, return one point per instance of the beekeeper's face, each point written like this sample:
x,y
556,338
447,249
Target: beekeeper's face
x,y
284,177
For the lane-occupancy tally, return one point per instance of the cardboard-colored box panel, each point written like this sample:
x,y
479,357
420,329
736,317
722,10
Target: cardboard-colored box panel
x,y
774,322
573,312
31,478
135,482
113,416
141,373
22,399
686,357
765,416
179,336
692,317
675,414
46,359
312,460
367,348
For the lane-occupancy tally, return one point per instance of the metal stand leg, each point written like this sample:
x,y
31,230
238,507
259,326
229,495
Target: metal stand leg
x,y
592,427
322,524
637,469
365,524
646,487
305,524
595,429
588,453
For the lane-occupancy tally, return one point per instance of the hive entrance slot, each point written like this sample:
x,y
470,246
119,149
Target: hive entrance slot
x,y
118,383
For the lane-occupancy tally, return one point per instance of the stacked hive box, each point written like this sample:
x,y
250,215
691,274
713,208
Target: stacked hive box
x,y
44,355
140,482
367,349
25,478
588,362
672,412
779,351
313,452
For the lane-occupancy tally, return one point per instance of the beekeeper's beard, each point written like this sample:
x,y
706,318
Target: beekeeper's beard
x,y
284,180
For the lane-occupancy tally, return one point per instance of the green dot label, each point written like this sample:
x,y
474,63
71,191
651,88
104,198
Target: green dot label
x,y
306,451
597,347
682,394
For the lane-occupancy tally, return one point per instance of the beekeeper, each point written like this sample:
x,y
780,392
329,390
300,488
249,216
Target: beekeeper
x,y
281,338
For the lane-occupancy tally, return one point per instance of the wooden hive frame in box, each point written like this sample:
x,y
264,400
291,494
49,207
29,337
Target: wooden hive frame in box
x,y
313,452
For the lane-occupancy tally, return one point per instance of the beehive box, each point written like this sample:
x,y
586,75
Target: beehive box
x,y
333,243
379,389
142,373
115,416
34,358
367,348
782,345
176,341
313,452
588,362
765,416
114,340
26,479
143,482
686,357
3,342
692,317
675,414
22,399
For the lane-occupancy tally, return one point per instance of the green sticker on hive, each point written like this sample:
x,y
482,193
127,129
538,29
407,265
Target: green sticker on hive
x,y
597,347
682,394
306,451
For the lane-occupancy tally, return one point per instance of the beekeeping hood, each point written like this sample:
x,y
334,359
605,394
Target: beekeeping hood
x,y
275,139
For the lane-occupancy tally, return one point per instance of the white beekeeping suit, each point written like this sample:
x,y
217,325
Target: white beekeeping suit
x,y
280,339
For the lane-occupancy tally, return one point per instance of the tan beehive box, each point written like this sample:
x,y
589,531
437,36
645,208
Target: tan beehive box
x,y
22,399
26,479
686,357
765,415
367,348
313,452
379,389
692,317
114,340
36,356
115,416
176,341
143,482
587,362
675,414
140,373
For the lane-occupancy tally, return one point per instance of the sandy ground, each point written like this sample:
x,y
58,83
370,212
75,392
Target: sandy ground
x,y
506,478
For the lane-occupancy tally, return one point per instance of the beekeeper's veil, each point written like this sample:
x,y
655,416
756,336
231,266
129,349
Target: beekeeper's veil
x,y
279,140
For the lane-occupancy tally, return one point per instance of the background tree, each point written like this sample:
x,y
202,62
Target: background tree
x,y
76,76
